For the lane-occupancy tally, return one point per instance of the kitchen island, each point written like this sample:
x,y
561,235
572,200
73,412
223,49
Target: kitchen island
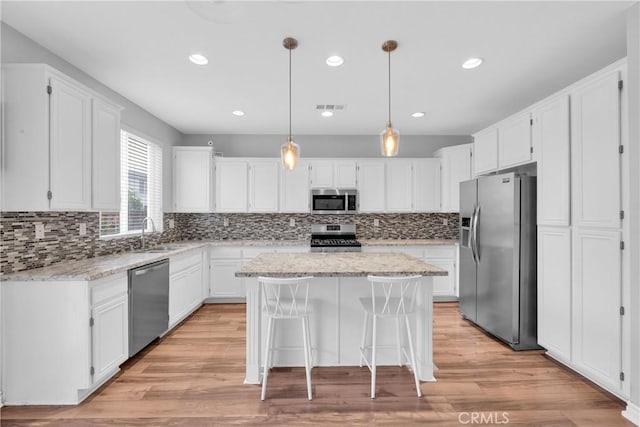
x,y
336,316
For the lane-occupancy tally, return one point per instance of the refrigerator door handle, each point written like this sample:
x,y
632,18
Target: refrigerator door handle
x,y
474,234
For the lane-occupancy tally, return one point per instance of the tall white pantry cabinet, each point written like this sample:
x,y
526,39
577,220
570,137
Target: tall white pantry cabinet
x,y
62,143
581,203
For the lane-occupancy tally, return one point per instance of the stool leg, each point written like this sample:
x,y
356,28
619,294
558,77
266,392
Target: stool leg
x,y
413,358
310,348
365,327
267,357
398,341
305,339
373,357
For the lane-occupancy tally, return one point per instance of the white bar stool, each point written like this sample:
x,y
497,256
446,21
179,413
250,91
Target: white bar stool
x,y
286,298
391,297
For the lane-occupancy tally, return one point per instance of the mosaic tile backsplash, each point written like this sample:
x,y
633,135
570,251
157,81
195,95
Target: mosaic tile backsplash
x,y
20,250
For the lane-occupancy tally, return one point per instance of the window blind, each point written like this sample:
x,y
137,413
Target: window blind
x,y
140,188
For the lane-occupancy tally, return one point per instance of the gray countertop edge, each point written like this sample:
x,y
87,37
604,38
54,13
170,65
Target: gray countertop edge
x,y
349,274
107,265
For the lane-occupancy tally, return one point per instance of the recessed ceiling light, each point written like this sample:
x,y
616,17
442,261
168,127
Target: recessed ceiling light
x,y
326,113
198,59
335,61
472,63
418,114
238,113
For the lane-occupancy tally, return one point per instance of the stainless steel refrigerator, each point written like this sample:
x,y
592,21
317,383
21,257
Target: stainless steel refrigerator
x,y
498,257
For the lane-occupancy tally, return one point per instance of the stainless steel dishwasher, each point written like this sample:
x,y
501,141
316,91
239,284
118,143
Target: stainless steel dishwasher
x,y
148,304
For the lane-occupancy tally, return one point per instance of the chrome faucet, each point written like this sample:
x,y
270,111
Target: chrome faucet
x,y
153,229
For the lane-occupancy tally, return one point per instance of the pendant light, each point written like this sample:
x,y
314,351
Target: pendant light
x,y
390,137
289,151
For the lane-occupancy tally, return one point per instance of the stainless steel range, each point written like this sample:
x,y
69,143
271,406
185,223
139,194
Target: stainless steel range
x,y
334,238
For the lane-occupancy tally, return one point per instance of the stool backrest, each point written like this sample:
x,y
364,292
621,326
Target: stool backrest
x,y
285,297
394,295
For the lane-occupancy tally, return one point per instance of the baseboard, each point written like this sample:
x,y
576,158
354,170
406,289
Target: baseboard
x,y
632,413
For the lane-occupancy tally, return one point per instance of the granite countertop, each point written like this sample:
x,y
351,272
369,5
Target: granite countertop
x,y
337,264
97,267
408,242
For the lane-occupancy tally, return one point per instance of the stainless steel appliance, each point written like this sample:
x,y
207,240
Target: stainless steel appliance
x,y
334,201
148,304
498,257
334,238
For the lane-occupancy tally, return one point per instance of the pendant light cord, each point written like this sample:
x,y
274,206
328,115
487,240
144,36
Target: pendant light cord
x,y
289,93
389,74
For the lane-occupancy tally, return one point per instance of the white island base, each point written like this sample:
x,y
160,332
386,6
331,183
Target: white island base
x,y
336,320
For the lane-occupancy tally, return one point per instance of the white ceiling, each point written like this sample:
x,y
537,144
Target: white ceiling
x,y
140,50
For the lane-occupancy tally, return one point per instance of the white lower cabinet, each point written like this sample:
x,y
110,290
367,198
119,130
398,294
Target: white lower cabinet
x,y
445,288
223,264
77,336
110,336
596,340
185,285
554,291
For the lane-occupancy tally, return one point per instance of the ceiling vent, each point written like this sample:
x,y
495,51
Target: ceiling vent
x,y
330,107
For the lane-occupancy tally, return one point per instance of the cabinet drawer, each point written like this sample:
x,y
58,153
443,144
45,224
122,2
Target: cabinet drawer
x,y
108,287
440,252
225,253
184,261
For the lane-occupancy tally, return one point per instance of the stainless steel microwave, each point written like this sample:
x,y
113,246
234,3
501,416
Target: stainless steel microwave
x,y
334,201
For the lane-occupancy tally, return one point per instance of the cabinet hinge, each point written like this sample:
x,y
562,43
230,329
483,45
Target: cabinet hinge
x,y
92,371
621,310
530,122
49,89
622,245
531,150
620,149
49,195
620,84
621,376
91,321
621,214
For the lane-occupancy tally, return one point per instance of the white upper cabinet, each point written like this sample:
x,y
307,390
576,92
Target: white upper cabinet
x,y
514,141
231,185
70,146
455,167
344,173
51,125
551,135
426,185
105,132
294,188
192,179
333,173
371,185
399,188
595,163
263,185
485,151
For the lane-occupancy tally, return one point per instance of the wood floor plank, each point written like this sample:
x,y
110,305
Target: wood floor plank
x,y
194,376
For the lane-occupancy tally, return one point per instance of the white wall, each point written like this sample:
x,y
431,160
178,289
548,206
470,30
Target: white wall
x,y
633,85
324,145
17,48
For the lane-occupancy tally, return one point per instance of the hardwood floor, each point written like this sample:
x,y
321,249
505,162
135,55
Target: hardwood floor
x,y
194,375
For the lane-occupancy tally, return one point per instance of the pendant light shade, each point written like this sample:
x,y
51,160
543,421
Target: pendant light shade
x,y
390,137
289,151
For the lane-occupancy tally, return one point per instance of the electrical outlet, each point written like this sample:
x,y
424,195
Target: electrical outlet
x,y
39,231
445,221
172,223
82,227
376,222
225,222
292,222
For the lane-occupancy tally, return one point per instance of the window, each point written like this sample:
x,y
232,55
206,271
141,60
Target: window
x,y
140,188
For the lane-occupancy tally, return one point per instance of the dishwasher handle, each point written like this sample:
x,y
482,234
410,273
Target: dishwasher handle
x,y
148,270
